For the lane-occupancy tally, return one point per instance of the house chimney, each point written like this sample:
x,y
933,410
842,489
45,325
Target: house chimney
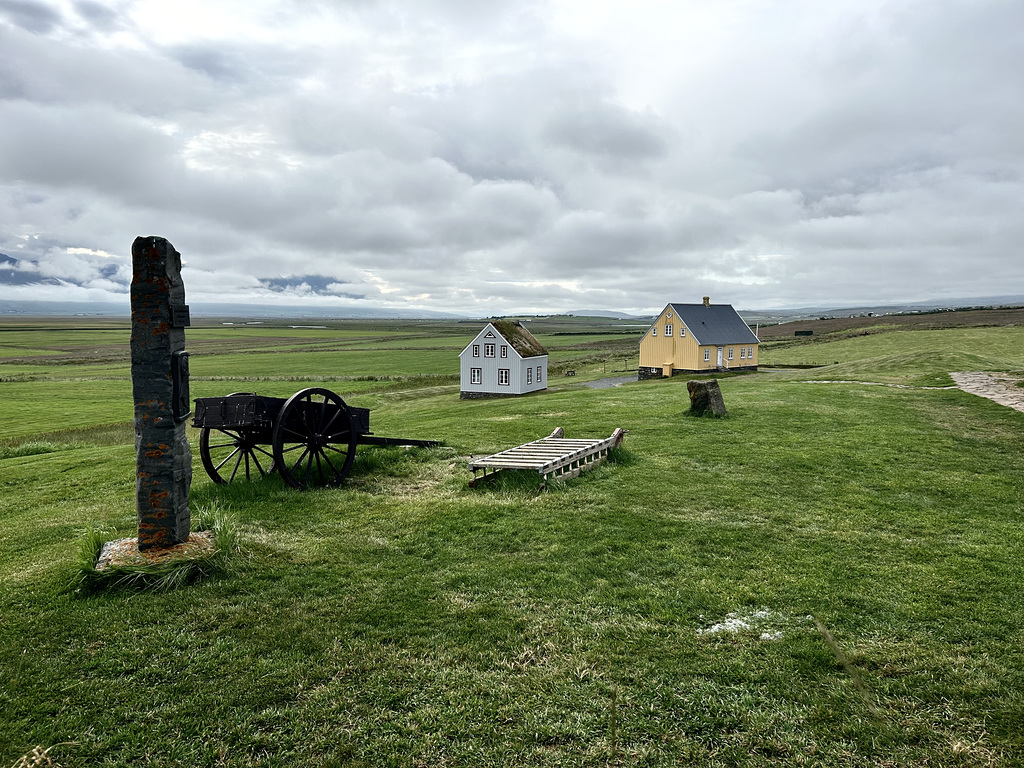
x,y
707,301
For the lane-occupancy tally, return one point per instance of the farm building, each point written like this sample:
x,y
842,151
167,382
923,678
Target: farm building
x,y
504,359
695,338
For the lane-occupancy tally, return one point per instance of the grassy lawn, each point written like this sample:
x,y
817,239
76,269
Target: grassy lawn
x,y
657,611
904,355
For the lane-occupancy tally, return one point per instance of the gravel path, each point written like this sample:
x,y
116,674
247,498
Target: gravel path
x,y
997,387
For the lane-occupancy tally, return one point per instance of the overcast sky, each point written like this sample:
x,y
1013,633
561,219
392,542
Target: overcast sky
x,y
498,157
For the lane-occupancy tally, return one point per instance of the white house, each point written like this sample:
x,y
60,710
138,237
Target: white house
x,y
504,359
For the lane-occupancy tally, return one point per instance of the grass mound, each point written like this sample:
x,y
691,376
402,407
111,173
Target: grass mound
x,y
158,576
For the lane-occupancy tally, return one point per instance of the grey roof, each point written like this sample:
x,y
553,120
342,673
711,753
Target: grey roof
x,y
715,324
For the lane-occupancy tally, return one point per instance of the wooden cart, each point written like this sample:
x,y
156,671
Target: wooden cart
x,y
309,438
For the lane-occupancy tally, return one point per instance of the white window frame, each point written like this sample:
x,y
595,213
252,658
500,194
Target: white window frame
x,y
730,352
707,355
503,377
682,331
750,353
540,376
668,330
504,350
743,353
529,375
476,375
476,350
488,350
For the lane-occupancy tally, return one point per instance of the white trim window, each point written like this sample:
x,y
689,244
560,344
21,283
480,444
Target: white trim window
x,y
743,353
476,350
682,331
488,350
504,350
476,375
540,378
668,330
730,353
503,376
707,355
529,375
654,331
750,352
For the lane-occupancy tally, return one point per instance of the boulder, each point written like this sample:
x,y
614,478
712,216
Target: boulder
x,y
705,397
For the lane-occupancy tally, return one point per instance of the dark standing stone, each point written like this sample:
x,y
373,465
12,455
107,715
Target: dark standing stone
x,y
163,458
705,396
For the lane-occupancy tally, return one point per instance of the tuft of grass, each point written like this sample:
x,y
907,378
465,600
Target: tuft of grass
x,y
381,459
40,758
37,448
157,577
517,483
622,456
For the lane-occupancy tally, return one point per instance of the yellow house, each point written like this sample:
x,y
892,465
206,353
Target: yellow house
x,y
697,338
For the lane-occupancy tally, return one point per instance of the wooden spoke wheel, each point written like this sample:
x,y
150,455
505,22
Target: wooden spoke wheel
x,y
229,454
314,439
233,454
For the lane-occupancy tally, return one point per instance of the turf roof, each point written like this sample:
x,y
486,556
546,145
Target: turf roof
x,y
522,340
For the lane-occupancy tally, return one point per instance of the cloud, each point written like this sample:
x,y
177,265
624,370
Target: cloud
x,y
501,157
31,16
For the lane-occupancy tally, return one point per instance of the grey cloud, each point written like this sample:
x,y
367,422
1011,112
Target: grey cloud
x,y
95,148
98,15
608,131
76,73
312,284
212,61
35,17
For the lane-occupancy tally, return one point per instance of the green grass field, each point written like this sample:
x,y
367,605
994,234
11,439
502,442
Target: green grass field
x,y
656,612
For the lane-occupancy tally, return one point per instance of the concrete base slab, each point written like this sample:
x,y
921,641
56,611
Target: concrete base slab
x,y
124,553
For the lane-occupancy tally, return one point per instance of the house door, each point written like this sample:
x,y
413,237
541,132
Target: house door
x,y
720,357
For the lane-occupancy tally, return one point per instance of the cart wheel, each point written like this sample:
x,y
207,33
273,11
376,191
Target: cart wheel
x,y
231,450
226,451
314,439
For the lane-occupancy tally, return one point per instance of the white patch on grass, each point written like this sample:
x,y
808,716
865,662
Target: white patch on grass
x,y
765,623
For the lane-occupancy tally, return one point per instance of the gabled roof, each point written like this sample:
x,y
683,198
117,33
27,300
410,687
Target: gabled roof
x,y
520,339
715,324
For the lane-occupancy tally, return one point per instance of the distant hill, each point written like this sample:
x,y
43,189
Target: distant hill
x,y
327,312
99,309
602,313
835,325
784,315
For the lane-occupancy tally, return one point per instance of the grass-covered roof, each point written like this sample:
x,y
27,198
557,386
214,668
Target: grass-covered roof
x,y
522,340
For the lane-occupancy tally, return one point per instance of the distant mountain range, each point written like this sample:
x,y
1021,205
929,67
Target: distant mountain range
x,y
803,313
99,309
313,311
